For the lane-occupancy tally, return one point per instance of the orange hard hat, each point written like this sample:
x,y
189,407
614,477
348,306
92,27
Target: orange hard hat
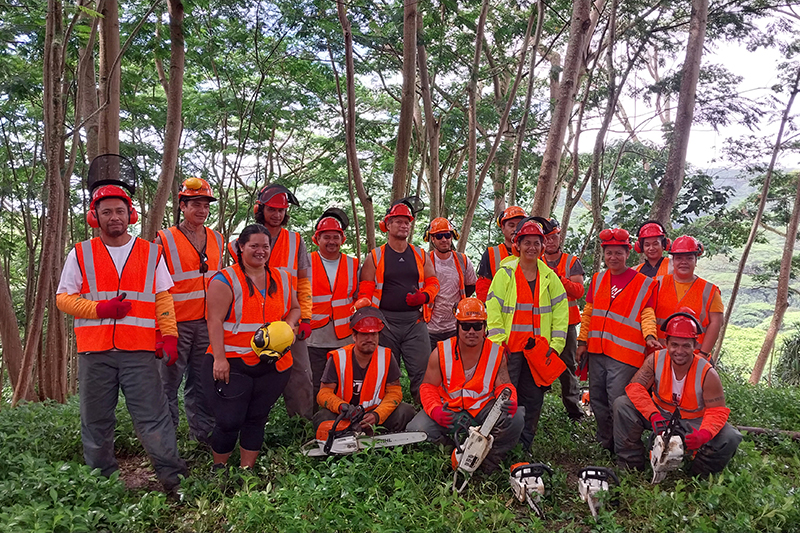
x,y
686,244
470,310
109,191
615,237
440,225
683,325
528,226
196,188
510,213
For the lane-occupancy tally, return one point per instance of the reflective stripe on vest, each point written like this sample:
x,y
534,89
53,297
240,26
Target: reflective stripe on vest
x,y
527,321
691,404
472,395
284,253
373,388
336,303
183,262
101,282
564,269
698,298
497,254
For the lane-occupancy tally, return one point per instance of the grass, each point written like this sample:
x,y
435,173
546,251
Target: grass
x,y
45,486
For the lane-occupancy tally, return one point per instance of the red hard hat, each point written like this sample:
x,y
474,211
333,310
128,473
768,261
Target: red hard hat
x,y
683,325
367,320
615,237
510,213
651,229
399,210
328,224
276,196
528,227
196,188
686,244
470,310
109,191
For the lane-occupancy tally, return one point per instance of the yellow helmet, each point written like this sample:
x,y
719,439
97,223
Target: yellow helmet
x,y
272,340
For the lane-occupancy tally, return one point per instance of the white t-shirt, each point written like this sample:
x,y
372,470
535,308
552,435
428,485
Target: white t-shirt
x,y
442,317
677,386
71,277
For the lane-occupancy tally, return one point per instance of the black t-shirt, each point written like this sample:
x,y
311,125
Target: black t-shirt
x,y
649,270
329,375
400,276
484,267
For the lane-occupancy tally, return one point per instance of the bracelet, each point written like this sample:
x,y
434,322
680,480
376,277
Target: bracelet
x,y
704,354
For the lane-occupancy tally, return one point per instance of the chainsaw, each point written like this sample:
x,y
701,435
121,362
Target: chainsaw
x,y
527,484
668,449
467,458
343,437
591,481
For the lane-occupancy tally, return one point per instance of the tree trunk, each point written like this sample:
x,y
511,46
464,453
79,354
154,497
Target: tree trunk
x,y
759,213
676,161
431,128
782,298
472,113
88,90
350,131
548,174
174,128
108,128
9,337
403,146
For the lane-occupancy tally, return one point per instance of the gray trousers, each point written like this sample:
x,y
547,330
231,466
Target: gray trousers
x,y
318,358
192,345
395,422
506,433
406,334
436,338
607,381
101,376
570,388
629,424
529,395
298,393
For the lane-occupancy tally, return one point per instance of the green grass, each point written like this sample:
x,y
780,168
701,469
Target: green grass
x,y
45,487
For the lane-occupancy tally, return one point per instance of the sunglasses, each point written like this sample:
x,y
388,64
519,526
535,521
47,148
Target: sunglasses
x,y
203,262
471,326
440,236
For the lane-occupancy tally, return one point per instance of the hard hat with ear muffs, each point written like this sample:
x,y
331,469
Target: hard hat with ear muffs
x,y
439,225
526,226
651,228
111,176
109,191
404,207
510,213
272,341
333,219
274,195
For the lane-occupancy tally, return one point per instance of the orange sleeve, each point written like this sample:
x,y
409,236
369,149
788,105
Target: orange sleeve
x,y
574,290
649,326
391,399
482,288
366,289
714,419
586,320
430,397
77,306
498,390
431,288
327,399
641,399
165,314
716,302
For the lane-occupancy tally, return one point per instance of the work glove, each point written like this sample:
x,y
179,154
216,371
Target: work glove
x,y
658,423
168,349
416,298
361,302
509,408
697,438
442,417
115,308
303,331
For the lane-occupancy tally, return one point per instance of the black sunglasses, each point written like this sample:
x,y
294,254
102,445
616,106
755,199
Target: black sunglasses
x,y
203,262
440,236
474,326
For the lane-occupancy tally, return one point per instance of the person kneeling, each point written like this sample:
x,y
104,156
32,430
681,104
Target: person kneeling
x,y
366,374
465,375
679,381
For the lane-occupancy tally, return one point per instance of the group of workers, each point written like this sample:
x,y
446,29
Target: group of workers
x,y
281,321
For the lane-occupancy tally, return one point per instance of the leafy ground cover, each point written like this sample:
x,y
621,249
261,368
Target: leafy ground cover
x,y
44,487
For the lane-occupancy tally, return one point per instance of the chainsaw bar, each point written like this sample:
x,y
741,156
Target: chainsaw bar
x,y
313,448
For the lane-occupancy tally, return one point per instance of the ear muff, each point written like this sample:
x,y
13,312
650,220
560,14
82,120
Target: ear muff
x,y
514,249
314,239
382,226
667,242
134,216
256,207
91,219
427,235
638,246
499,221
700,248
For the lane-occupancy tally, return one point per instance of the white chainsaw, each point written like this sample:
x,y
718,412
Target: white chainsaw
x,y
668,449
527,483
342,437
467,458
593,480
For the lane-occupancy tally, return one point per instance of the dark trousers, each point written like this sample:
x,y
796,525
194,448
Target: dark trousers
x,y
570,388
242,409
395,422
529,395
299,392
192,345
101,376
607,381
436,338
318,358
406,335
629,424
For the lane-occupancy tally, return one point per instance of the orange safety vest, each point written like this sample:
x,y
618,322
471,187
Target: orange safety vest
x,y
283,254
527,320
377,259
563,267
248,313
497,254
333,303
460,394
616,326
461,267
136,331
698,298
663,269
183,262
374,387
691,404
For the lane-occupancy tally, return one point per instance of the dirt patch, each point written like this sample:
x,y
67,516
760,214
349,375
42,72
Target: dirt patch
x,y
138,474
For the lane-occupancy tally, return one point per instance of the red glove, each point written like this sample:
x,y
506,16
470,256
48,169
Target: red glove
x,y
303,331
169,349
509,408
658,423
697,438
159,345
442,417
115,308
416,298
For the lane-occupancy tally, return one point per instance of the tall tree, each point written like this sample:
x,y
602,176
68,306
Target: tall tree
x,y
407,100
108,130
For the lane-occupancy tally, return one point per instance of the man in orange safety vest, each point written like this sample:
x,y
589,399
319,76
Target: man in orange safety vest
x,y
490,260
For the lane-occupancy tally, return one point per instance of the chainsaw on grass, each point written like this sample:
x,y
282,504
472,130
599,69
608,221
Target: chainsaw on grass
x,y
527,483
343,437
668,449
593,480
467,458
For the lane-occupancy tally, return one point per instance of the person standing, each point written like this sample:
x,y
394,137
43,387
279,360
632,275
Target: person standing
x,y
334,286
399,279
569,270
193,253
652,241
490,260
456,278
617,326
117,288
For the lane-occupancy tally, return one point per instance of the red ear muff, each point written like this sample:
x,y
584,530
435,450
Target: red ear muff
x,y
256,207
91,219
314,239
638,246
514,249
667,244
700,248
382,226
134,216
